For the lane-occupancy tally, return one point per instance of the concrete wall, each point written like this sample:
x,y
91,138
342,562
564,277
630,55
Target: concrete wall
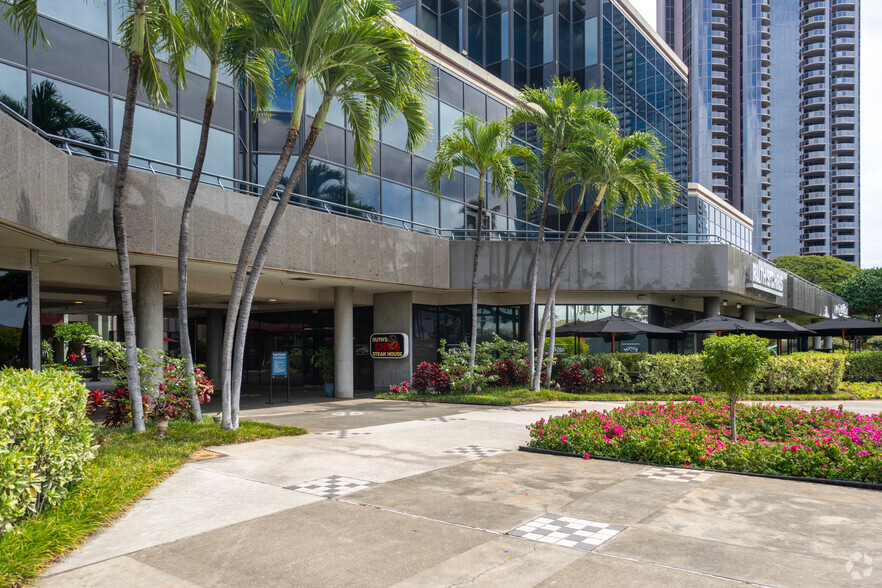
x,y
69,199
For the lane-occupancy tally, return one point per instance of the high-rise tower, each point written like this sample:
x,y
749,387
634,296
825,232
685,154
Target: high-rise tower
x,y
774,115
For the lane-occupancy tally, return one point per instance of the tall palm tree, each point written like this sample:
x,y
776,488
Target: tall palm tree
x,y
353,55
227,38
486,148
557,115
148,27
624,173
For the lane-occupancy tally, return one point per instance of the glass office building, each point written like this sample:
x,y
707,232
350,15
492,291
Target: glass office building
x,y
774,115
599,43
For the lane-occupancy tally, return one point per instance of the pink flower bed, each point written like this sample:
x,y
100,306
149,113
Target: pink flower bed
x,y
822,443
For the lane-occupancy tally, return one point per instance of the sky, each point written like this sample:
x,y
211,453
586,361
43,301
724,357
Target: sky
x,y
871,118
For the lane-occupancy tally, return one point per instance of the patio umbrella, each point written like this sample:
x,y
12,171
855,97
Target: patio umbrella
x,y
611,326
786,327
843,325
726,324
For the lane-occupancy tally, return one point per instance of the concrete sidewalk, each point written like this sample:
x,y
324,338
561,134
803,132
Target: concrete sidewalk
x,y
385,493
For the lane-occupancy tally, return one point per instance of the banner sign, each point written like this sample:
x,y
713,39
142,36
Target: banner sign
x,y
389,346
279,363
765,278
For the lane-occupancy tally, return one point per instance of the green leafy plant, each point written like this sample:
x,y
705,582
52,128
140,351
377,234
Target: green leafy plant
x,y
455,363
323,360
863,293
803,373
74,335
667,373
733,364
45,440
863,367
614,371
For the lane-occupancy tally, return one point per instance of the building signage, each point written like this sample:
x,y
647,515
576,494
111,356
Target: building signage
x,y
389,346
280,363
630,348
840,310
766,278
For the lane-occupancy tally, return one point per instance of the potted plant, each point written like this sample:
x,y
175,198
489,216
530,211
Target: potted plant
x,y
323,360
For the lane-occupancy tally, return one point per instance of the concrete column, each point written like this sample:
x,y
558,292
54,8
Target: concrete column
x,y
34,313
214,352
393,313
344,360
828,342
148,307
711,306
748,313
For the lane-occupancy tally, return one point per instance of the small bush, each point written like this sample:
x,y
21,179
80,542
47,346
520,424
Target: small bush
x,y
864,367
45,440
630,360
803,373
614,371
571,378
666,373
430,376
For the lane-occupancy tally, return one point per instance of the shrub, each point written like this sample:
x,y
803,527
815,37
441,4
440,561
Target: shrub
x,y
630,360
863,367
572,378
666,373
45,440
455,363
803,373
430,376
509,372
613,369
733,364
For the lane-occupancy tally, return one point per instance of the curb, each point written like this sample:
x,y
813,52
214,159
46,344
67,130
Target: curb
x,y
826,481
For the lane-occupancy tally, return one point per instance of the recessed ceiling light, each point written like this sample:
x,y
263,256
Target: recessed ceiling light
x,y
166,292
271,300
78,301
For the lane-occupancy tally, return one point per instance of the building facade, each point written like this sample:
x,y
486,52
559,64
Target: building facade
x,y
774,115
361,253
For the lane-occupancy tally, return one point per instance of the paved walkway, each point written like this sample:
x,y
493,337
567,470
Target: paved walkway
x,y
385,493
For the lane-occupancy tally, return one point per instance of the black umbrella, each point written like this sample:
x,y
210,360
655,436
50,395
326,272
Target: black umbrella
x,y
614,325
725,324
787,328
843,325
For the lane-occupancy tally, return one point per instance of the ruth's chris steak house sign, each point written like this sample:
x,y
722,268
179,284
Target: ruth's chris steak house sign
x,y
389,345
766,278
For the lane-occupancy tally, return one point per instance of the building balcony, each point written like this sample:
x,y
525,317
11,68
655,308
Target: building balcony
x,y
813,222
846,82
844,198
812,249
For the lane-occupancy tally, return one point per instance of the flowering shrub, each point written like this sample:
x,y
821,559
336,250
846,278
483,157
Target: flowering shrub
x,y
430,376
596,378
614,371
781,440
398,389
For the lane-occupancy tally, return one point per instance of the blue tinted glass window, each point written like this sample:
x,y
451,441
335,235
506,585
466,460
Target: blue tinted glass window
x,y
396,201
85,102
14,88
218,154
451,214
364,192
155,135
425,209
91,16
325,182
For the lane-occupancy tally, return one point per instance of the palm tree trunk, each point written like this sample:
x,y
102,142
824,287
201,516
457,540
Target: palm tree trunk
x,y
184,251
122,251
733,401
548,312
479,225
260,260
245,256
550,363
536,364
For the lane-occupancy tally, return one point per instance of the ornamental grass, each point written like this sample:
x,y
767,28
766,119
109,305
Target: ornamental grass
x,y
779,440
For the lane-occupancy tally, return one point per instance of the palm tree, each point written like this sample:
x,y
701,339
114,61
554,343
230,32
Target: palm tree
x,y
51,113
558,115
487,149
147,29
227,38
624,173
352,53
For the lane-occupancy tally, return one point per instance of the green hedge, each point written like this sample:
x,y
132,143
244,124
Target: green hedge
x,y
803,373
45,440
864,367
667,373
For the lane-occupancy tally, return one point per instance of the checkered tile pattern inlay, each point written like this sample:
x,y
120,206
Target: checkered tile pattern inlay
x,y
675,475
332,486
344,434
347,413
476,451
567,531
